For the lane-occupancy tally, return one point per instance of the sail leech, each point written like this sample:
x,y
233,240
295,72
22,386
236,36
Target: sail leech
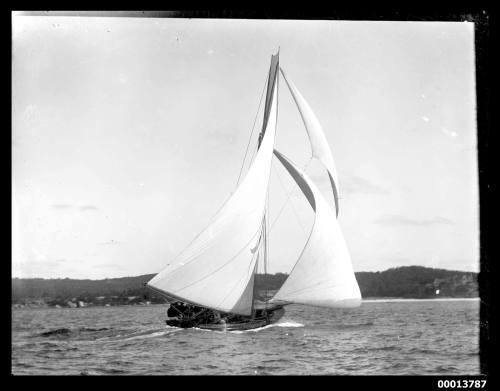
x,y
323,273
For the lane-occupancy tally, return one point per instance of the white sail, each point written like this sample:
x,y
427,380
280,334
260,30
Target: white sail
x,y
323,275
217,269
319,144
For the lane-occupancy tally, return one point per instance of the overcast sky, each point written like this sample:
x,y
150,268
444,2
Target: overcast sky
x,y
129,134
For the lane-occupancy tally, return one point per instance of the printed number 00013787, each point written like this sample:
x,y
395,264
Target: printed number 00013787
x,y
461,383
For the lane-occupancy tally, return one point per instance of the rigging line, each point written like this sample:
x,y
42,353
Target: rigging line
x,y
262,246
289,194
265,227
267,243
255,149
266,222
251,134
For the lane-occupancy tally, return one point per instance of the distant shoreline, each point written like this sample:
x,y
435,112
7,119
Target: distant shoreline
x,y
396,284
367,300
396,299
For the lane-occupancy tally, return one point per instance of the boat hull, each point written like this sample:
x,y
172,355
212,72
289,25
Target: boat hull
x,y
246,324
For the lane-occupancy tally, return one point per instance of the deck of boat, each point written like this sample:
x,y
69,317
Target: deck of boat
x,y
246,324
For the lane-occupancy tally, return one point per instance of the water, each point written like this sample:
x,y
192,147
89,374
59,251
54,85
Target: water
x,y
393,338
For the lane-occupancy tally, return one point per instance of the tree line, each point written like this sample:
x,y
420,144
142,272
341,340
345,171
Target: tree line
x,y
405,282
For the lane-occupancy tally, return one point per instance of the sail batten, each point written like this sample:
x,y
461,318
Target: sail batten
x,y
225,251
323,274
319,144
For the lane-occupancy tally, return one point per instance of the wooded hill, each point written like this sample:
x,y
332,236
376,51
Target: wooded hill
x,y
405,282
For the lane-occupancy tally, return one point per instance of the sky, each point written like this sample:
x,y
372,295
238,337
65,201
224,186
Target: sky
x,y
128,134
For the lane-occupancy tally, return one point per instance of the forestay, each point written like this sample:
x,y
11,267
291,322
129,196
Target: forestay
x,y
323,275
217,269
319,144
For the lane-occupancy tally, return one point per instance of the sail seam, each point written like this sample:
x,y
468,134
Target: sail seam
x,y
220,267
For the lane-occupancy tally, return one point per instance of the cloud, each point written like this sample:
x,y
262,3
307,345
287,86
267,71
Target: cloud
x,y
82,208
407,221
358,185
108,266
87,207
61,206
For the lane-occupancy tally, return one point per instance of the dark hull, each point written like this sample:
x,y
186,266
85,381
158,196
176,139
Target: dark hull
x,y
247,323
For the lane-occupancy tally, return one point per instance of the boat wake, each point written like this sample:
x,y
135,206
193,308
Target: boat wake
x,y
288,324
281,324
150,335
147,334
130,335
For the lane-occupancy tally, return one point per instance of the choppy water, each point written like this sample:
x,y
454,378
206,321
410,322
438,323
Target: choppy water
x,y
408,337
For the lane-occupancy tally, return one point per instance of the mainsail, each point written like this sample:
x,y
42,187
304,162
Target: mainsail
x,y
217,269
319,144
323,275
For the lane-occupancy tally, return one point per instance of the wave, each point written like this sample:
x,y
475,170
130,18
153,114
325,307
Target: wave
x,y
61,331
67,332
425,351
289,324
281,324
353,325
148,335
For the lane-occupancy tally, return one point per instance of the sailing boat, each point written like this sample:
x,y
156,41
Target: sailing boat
x,y
210,284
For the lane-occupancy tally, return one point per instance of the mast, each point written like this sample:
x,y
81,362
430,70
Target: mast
x,y
272,83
